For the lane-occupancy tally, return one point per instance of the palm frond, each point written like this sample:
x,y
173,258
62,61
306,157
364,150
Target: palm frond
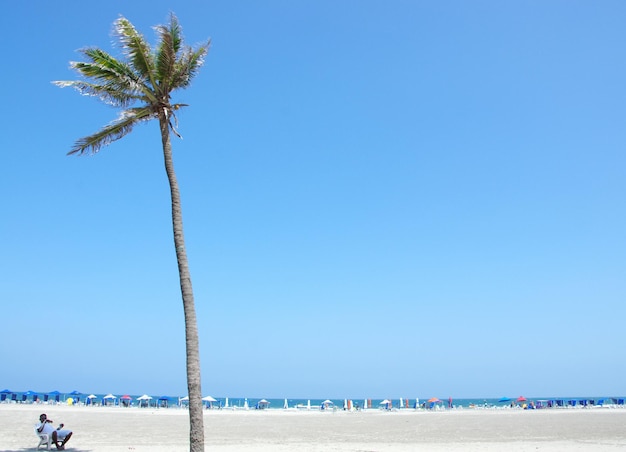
x,y
166,59
136,49
112,132
107,66
188,65
105,93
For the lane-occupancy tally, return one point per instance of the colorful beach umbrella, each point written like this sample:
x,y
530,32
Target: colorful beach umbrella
x,y
433,400
521,399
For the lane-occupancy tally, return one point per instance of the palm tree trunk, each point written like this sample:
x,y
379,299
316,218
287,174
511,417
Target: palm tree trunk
x,y
196,421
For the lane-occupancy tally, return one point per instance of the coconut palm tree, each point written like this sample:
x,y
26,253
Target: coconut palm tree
x,y
141,85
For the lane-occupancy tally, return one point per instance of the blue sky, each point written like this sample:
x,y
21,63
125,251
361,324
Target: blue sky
x,y
381,199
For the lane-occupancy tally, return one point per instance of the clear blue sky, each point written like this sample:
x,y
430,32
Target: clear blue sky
x,y
381,199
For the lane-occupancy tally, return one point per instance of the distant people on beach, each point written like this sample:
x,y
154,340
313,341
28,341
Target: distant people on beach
x,y
59,436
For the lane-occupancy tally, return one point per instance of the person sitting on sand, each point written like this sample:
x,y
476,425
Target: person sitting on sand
x,y
59,436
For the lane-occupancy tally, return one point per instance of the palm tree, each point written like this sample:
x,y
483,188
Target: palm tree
x,y
146,78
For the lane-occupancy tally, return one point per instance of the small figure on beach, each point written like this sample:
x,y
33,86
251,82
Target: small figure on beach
x,y
59,436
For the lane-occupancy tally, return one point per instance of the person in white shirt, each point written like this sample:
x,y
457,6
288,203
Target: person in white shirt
x,y
59,436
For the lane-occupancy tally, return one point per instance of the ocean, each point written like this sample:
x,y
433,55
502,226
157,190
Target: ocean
x,y
167,401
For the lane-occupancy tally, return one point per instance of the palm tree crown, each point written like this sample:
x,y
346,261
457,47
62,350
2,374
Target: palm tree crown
x,y
147,77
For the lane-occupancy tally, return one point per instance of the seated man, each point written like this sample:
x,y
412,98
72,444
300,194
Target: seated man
x,y
60,437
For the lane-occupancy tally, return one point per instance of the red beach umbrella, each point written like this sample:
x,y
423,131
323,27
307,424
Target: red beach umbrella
x,y
521,399
434,400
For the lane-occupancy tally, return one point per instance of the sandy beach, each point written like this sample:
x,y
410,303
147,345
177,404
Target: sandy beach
x,y
115,429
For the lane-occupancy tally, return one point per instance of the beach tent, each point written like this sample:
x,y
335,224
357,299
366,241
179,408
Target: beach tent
x,y
326,404
28,394
386,404
126,400
76,396
4,394
90,398
54,395
164,401
109,399
262,404
209,401
144,400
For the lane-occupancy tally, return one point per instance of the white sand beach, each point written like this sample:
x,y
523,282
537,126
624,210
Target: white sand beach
x,y
115,429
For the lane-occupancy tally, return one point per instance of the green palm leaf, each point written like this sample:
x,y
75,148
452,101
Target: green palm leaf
x,y
112,132
136,49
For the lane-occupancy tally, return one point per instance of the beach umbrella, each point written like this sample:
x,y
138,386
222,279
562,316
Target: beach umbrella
x,y
433,400
76,393
504,399
91,396
285,405
209,399
4,394
125,397
245,404
308,404
521,399
226,403
109,396
144,397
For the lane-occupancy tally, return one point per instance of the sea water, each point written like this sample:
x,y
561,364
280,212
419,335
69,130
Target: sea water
x,y
166,401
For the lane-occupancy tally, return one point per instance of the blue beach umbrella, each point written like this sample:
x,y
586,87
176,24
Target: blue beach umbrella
x,y
4,394
505,399
164,401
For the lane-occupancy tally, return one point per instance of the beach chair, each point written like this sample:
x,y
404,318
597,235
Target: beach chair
x,y
44,439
